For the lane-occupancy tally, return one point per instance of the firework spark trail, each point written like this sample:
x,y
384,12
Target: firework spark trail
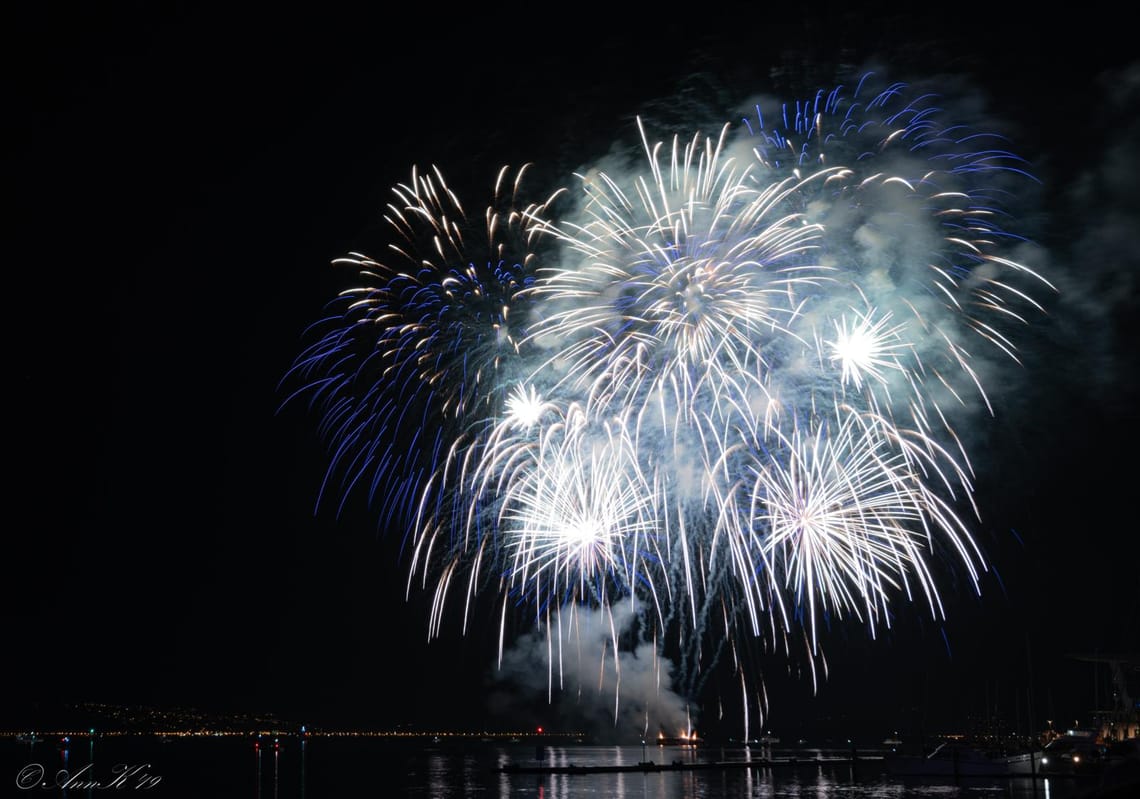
x,y
417,348
676,308
575,519
679,292
677,287
915,212
734,402
839,512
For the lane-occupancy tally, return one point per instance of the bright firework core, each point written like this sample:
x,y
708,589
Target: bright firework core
x,y
524,407
728,394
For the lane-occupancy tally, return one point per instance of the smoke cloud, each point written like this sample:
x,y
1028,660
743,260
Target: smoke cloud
x,y
572,673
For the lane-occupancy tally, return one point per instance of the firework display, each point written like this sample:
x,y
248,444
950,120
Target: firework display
x,y
722,382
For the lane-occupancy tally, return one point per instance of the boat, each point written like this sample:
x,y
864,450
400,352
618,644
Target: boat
x,y
1025,764
949,759
1076,754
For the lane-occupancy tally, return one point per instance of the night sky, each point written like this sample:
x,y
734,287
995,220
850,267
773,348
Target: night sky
x,y
180,179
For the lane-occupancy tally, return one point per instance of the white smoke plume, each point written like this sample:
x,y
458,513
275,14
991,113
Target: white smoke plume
x,y
573,674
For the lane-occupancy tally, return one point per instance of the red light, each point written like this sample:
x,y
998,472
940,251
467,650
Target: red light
x,y
540,730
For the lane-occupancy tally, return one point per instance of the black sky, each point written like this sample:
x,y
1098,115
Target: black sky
x,y
179,179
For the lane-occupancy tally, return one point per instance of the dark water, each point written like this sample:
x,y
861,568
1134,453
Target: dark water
x,y
323,768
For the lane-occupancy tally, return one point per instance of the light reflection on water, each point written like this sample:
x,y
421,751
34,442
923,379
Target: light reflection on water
x,y
316,768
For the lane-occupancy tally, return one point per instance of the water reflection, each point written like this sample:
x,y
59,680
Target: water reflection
x,y
221,769
438,774
738,774
280,783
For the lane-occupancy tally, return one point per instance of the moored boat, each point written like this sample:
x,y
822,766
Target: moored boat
x,y
949,759
1073,754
